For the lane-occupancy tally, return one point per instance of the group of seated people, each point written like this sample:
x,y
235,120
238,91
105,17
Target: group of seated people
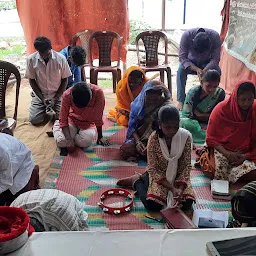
x,y
157,131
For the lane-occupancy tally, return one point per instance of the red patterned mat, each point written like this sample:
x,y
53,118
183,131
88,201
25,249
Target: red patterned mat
x,y
86,174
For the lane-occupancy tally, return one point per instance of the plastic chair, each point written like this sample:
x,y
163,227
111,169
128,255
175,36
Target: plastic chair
x,y
6,69
104,40
150,40
84,37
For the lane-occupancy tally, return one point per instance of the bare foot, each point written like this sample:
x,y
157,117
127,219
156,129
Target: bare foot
x,y
129,181
244,225
50,133
132,159
180,106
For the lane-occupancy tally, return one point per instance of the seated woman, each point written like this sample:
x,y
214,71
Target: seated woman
x,y
18,173
53,210
244,205
144,111
199,103
167,178
127,90
231,135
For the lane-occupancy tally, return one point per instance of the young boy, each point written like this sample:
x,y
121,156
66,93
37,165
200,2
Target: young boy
x,y
81,110
76,57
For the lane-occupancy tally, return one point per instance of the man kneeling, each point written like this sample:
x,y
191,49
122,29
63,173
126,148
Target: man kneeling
x,y
81,110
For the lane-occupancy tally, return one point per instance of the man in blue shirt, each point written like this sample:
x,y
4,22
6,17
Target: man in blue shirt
x,y
76,57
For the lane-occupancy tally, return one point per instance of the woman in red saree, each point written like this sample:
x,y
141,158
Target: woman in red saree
x,y
232,134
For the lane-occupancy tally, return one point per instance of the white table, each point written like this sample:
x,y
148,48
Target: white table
x,y
127,243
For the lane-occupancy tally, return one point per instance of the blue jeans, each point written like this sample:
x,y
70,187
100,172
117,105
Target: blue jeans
x,y
181,81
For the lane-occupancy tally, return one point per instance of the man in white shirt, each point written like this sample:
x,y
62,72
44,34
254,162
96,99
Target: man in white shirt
x,y
48,72
18,173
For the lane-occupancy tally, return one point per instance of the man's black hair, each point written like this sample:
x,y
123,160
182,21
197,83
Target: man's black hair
x,y
42,44
78,55
201,42
81,94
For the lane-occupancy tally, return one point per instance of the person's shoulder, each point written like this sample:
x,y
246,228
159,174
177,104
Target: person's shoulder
x,y
221,90
186,134
212,33
209,30
58,56
191,32
67,93
194,89
187,33
183,131
33,56
95,88
153,137
6,140
64,51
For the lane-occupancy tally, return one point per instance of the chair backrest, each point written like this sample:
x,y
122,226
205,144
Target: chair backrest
x,y
104,40
151,40
6,69
84,37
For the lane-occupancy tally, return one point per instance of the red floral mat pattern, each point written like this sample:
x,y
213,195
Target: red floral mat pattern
x,y
87,174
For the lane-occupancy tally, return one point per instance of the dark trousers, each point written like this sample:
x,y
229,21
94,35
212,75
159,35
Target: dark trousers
x,y
6,198
141,186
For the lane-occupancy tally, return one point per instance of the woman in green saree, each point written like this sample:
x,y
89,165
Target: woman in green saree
x,y
199,103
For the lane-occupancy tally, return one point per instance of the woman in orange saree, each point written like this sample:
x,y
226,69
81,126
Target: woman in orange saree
x,y
127,90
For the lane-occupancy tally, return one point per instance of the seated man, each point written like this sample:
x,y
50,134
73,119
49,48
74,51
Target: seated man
x,y
17,170
76,57
53,210
48,73
81,110
199,51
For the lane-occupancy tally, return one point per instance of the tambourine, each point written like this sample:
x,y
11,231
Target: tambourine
x,y
116,210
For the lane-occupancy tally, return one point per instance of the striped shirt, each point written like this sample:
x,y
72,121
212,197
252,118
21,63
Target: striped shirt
x,y
83,118
54,209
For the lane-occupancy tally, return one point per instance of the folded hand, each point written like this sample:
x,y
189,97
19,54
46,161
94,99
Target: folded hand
x,y
141,148
104,142
71,146
236,158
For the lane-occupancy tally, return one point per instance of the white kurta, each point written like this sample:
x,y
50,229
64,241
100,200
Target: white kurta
x,y
16,164
177,148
